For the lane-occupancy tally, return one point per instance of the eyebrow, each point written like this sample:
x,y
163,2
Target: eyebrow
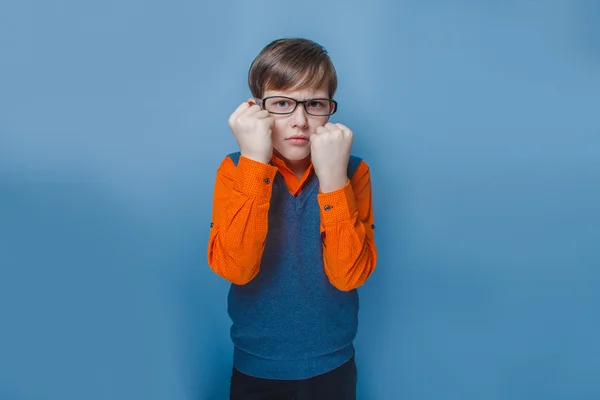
x,y
295,98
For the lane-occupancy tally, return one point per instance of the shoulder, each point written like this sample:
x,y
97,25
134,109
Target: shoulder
x,y
357,165
230,161
228,166
234,157
360,175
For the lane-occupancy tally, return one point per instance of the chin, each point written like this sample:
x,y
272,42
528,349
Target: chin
x,y
292,154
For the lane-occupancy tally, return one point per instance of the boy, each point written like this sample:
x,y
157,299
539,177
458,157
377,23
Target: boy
x,y
292,231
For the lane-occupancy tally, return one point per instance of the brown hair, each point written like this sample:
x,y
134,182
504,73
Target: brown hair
x,y
292,63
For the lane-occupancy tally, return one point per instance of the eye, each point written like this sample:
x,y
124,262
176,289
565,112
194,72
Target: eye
x,y
280,105
316,104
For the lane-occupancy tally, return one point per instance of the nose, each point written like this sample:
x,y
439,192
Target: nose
x,y
300,116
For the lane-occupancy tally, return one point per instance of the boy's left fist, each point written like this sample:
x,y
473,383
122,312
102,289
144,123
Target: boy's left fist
x,y
330,149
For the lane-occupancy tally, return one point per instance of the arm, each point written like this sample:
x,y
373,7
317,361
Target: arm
x,y
240,219
349,251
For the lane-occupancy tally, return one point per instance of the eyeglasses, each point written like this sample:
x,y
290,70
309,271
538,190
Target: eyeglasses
x,y
287,105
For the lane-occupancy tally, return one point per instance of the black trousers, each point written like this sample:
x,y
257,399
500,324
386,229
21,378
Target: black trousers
x,y
339,384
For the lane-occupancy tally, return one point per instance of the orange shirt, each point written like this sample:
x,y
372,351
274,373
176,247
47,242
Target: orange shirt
x,y
239,226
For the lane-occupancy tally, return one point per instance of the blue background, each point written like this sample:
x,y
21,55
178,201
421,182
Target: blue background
x,y
479,120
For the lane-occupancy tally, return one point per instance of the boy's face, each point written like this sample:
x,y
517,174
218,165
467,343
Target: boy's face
x,y
290,133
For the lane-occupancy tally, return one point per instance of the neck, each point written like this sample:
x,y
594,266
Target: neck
x,y
296,166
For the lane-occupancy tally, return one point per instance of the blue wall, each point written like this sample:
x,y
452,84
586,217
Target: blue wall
x,y
479,121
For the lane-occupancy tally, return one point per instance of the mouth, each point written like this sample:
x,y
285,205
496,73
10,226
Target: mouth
x,y
301,141
295,138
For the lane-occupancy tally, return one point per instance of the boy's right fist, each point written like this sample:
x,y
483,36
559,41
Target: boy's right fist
x,y
252,127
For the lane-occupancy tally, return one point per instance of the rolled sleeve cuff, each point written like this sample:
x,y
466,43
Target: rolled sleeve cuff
x,y
254,178
337,206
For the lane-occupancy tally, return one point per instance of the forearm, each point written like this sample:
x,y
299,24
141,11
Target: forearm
x,y
239,230
349,251
349,256
236,241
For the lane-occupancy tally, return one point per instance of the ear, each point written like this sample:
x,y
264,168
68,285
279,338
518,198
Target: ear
x,y
251,101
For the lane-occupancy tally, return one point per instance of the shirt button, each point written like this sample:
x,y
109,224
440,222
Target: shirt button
x,y
211,224
267,181
373,226
328,207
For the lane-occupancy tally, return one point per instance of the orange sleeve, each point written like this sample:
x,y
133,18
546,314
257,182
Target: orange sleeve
x,y
239,225
347,228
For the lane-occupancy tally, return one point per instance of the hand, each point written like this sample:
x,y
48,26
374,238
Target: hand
x,y
330,151
252,127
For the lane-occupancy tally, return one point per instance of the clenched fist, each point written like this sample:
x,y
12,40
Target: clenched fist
x,y
330,149
251,127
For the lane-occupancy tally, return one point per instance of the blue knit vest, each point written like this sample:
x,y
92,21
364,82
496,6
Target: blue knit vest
x,y
290,322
